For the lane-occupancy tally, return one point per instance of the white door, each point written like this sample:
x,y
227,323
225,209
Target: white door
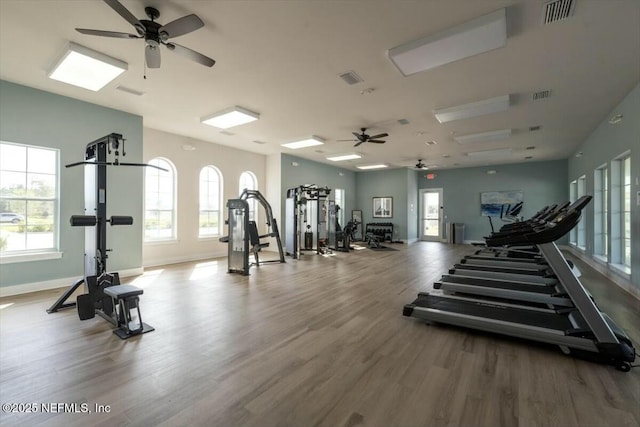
x,y
431,214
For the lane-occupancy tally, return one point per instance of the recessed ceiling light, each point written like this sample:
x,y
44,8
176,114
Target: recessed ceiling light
x,y
86,68
188,147
579,154
344,157
494,135
430,143
479,35
503,152
473,109
230,117
308,142
491,172
378,166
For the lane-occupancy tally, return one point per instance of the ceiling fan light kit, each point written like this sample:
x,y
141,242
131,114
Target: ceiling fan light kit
x,y
230,117
86,68
155,34
477,36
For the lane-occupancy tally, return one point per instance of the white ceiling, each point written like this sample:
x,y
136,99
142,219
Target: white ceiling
x,y
282,59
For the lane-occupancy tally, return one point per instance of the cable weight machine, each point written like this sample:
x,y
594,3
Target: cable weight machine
x,y
104,295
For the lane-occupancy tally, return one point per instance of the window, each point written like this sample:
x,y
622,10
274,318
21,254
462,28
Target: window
x,y
29,217
620,231
160,201
249,181
626,212
210,194
582,227
573,196
601,212
339,199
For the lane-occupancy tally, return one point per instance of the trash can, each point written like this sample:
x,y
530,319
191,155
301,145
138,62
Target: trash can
x,y
458,233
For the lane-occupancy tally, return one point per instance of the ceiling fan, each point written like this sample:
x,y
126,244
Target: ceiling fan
x,y
155,34
363,137
420,165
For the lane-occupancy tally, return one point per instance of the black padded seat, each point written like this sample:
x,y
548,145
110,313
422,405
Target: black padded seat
x,y
122,291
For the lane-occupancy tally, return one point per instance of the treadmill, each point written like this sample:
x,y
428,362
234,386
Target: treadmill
x,y
582,330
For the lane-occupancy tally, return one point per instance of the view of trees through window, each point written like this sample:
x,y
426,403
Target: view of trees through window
x,y
28,198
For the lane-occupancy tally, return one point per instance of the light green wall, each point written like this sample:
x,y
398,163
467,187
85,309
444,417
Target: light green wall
x,y
603,145
412,204
308,172
35,117
542,183
385,183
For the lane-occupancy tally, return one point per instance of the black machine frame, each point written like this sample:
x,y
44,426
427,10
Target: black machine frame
x,y
104,294
303,202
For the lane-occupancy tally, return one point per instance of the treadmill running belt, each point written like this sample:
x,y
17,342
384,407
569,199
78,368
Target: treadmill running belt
x,y
559,322
522,287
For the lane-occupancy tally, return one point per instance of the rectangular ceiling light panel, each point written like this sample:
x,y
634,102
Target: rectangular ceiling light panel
x,y
494,135
490,154
473,109
86,68
344,157
479,35
378,166
309,142
234,116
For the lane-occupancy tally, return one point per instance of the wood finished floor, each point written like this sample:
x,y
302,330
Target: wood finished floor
x,y
315,342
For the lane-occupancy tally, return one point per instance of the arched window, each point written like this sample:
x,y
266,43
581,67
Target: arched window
x,y
160,201
210,203
249,181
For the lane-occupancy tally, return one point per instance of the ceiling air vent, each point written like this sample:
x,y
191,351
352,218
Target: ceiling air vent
x,y
535,128
224,132
557,10
430,142
403,121
351,78
543,94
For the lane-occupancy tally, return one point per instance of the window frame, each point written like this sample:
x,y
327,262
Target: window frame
x,y
42,253
174,197
253,203
218,173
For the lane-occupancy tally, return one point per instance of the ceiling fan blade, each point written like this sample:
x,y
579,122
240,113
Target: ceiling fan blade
x,y
346,140
375,141
358,143
152,56
382,135
124,12
182,26
357,135
191,54
107,33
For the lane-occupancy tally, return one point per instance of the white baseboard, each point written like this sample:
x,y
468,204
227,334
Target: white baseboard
x,y
412,240
25,288
157,262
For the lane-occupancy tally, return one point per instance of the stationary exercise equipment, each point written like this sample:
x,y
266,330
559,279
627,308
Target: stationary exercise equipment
x,y
306,228
243,237
105,296
340,238
582,330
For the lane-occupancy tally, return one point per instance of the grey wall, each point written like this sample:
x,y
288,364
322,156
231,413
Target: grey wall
x,y
310,172
412,205
31,116
542,183
603,145
385,183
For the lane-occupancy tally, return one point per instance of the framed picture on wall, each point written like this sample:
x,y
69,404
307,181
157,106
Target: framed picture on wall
x,y
383,207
